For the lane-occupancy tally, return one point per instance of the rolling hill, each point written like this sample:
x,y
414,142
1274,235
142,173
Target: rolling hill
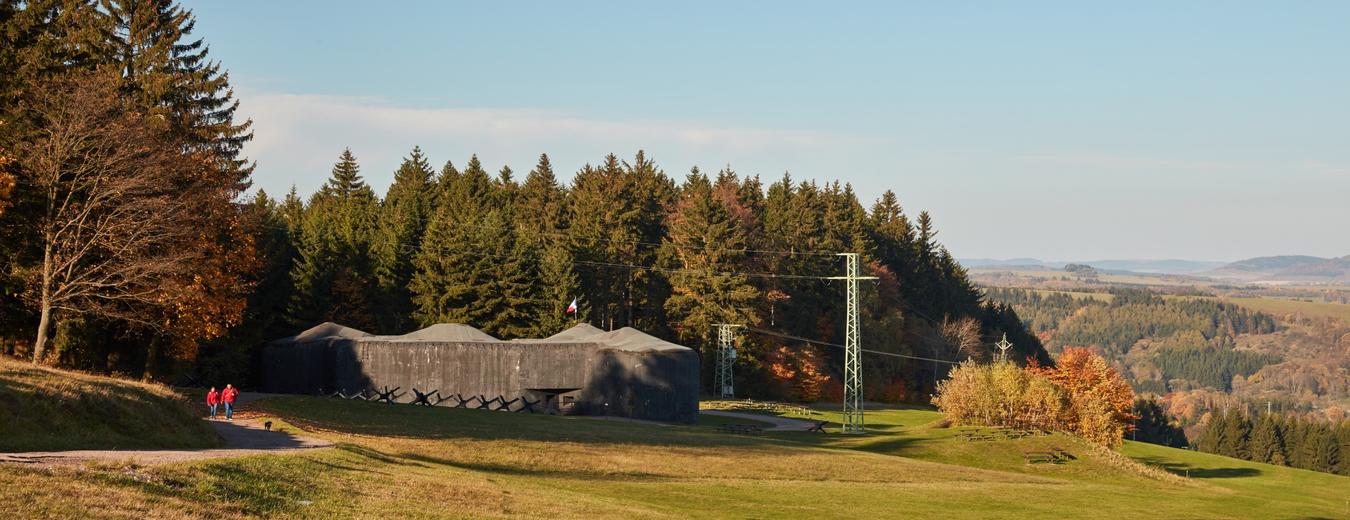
x,y
1286,269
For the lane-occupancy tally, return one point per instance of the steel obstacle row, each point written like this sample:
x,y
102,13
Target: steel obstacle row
x,y
389,396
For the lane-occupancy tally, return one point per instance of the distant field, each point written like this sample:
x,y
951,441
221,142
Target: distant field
x,y
1124,279
1285,306
398,461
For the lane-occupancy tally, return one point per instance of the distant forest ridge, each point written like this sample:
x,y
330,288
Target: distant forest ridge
x,y
1272,268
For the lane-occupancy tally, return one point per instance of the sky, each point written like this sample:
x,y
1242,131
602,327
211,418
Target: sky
x,y
1054,130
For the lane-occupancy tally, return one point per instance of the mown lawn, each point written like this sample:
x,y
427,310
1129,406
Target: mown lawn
x,y
401,461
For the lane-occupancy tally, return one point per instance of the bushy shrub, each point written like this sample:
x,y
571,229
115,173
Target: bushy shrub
x,y
1000,394
1083,395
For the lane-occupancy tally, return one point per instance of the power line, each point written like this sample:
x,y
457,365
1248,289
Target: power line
x,y
414,249
836,345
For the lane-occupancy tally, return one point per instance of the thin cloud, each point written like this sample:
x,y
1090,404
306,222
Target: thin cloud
x,y
297,137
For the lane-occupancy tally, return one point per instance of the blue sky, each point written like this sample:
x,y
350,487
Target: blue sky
x,y
1208,131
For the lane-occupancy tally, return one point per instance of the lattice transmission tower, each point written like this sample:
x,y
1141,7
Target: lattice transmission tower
x,y
853,392
726,359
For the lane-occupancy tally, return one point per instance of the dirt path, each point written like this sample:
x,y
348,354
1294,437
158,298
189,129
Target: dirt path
x,y
242,436
780,424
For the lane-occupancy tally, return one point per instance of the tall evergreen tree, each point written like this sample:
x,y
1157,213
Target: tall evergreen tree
x,y
469,269
707,245
1235,436
333,274
893,236
169,71
403,218
1327,452
1154,426
616,217
1343,439
1267,443
1211,437
541,225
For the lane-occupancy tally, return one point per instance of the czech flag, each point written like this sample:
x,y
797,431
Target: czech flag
x,y
572,309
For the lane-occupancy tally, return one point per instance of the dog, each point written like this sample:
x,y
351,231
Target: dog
x,y
267,426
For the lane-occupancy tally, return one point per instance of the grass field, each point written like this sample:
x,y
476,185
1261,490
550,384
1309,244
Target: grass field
x,y
411,462
1287,306
43,409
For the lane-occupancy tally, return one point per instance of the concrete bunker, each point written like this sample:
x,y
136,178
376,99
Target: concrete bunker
x,y
582,370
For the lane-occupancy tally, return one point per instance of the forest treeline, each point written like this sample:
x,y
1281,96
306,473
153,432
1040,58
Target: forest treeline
x,y
1272,438
507,253
1190,341
131,245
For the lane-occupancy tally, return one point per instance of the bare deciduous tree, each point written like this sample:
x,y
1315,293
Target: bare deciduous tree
x,y
117,193
963,336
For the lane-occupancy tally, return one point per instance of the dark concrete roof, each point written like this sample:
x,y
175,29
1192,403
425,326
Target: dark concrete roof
x,y
326,330
451,332
625,339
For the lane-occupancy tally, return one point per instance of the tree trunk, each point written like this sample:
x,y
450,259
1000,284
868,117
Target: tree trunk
x,y
151,352
44,322
40,345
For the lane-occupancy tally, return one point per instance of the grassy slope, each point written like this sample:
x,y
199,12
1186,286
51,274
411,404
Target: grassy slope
x,y
401,461
43,409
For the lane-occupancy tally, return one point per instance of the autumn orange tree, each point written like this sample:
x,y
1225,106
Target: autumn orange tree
x,y
801,370
1101,401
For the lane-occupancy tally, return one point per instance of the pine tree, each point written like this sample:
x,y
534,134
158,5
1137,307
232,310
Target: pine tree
x,y
170,73
1313,452
1266,443
1154,426
1343,438
1235,435
333,275
647,291
893,236
604,216
707,245
1296,435
506,185
541,225
292,211
403,216
469,269
1327,455
1211,437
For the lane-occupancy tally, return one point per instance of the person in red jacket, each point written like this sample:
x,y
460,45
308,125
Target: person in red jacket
x,y
227,396
212,401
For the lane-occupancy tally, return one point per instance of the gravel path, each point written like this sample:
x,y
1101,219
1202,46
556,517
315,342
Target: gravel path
x,y
242,436
780,424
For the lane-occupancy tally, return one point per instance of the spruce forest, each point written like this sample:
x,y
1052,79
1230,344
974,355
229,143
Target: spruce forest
x,y
172,268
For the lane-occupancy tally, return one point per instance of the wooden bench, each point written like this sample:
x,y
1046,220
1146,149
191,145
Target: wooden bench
x,y
741,429
1040,457
1053,456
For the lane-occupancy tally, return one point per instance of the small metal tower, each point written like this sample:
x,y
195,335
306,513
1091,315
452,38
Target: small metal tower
x,y
853,391
1003,346
726,359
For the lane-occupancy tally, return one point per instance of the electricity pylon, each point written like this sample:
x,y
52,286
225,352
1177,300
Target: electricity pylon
x,y
1003,346
853,392
726,359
